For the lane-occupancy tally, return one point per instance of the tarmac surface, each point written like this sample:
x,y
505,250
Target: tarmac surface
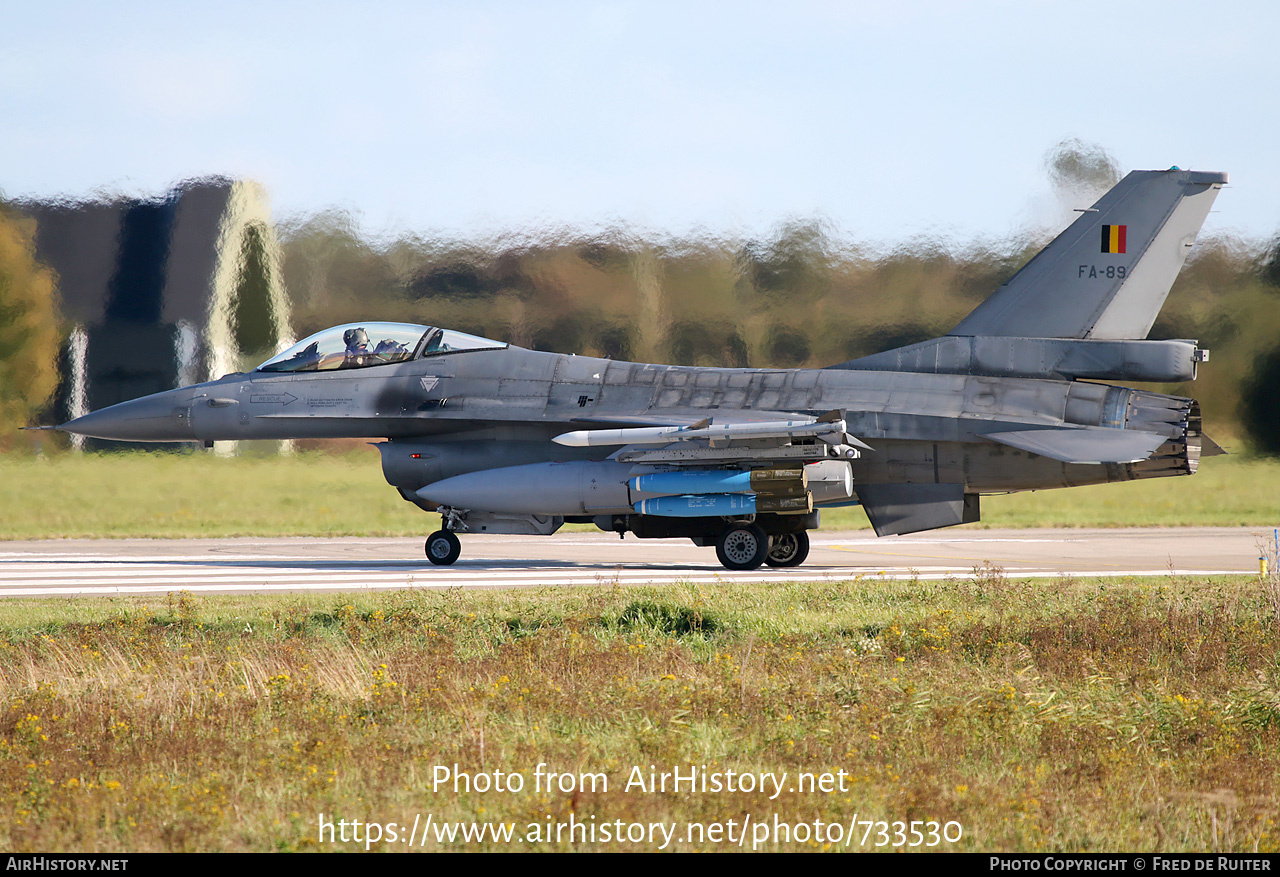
x,y
142,566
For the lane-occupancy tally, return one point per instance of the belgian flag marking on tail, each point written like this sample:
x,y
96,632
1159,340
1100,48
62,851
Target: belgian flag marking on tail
x,y
1113,238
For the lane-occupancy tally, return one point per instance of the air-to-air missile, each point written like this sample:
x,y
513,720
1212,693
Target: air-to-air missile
x,y
499,439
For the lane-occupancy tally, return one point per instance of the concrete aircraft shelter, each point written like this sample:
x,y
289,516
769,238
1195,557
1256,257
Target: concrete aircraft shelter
x,y
161,292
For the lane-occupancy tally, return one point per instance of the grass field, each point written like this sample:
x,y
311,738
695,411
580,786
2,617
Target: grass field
x,y
1057,716
193,495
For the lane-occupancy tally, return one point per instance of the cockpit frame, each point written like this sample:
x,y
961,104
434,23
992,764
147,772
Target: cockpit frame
x,y
372,343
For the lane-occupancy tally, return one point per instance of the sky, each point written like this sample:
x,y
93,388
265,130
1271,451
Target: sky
x,y
887,121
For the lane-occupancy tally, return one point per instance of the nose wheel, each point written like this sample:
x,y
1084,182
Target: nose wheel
x,y
742,546
443,548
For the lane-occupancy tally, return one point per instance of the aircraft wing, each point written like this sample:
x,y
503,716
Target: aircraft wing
x,y
1084,444
688,417
724,438
678,419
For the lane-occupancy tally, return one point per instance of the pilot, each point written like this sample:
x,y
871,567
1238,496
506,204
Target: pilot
x,y
389,350
358,354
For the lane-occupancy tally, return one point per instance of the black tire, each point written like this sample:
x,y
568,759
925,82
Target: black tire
x,y
742,546
443,548
789,549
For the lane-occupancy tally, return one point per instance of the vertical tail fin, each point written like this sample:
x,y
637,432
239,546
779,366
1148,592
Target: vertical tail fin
x,y
1107,276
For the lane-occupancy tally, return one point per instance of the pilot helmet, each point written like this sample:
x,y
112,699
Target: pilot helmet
x,y
355,337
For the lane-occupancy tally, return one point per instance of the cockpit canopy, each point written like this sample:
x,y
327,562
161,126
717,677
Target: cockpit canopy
x,y
360,345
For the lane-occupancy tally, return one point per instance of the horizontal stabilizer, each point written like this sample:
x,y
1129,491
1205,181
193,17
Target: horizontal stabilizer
x,y
1084,444
895,509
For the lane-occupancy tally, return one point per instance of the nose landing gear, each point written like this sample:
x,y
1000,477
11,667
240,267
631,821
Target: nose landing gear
x,y
443,548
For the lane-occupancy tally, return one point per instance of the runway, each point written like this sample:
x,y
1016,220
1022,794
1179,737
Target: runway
x,y
60,568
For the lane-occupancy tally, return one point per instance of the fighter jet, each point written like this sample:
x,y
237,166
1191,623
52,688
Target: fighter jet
x,y
499,439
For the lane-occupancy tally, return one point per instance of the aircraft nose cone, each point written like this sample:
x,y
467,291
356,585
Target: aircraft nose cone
x,y
162,417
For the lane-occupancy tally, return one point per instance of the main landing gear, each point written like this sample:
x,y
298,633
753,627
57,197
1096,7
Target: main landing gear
x,y
742,546
746,546
789,549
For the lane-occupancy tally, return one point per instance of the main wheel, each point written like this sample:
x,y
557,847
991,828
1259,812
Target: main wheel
x,y
742,546
443,548
789,549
